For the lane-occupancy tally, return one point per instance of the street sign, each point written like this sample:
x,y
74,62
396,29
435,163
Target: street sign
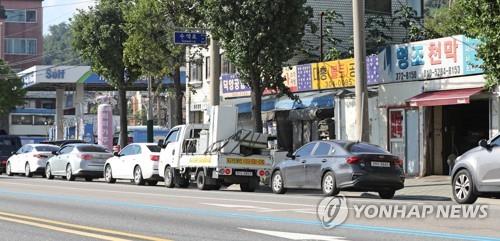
x,y
190,38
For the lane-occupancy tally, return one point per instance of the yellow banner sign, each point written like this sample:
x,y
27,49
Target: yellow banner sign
x,y
333,74
241,161
200,160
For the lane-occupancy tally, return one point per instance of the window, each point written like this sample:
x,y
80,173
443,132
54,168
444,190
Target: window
x,y
207,67
47,148
91,149
172,136
378,6
496,142
196,72
22,120
44,120
305,150
20,16
20,46
226,65
66,149
28,149
366,148
154,148
323,149
127,151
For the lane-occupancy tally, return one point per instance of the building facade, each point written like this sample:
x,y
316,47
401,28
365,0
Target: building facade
x,y
21,33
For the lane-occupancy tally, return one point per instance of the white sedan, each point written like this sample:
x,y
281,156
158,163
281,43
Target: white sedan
x,y
137,162
30,159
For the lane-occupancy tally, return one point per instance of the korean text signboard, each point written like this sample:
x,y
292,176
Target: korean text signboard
x,y
430,59
189,38
333,74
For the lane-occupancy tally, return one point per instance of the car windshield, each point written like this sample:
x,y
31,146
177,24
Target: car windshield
x,y
366,148
47,148
92,149
154,148
8,145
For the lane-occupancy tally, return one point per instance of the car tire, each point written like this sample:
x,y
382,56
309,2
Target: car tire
x,y
8,170
151,182
27,170
69,173
108,174
277,183
138,180
387,194
88,179
201,181
329,185
463,188
169,177
48,172
249,186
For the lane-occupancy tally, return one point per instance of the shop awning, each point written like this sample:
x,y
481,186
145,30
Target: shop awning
x,y
444,97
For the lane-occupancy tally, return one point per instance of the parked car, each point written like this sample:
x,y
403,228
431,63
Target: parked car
x,y
137,162
8,144
476,173
340,165
30,159
78,160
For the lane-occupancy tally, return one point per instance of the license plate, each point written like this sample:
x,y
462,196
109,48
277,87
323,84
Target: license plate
x,y
241,173
381,164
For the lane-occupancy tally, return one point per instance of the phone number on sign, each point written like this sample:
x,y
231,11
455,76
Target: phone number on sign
x,y
441,72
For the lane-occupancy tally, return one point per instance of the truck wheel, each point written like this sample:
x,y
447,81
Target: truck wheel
x,y
249,186
169,177
201,181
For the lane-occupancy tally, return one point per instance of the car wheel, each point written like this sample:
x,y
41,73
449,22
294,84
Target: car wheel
x,y
201,181
48,172
277,183
108,175
463,188
249,186
328,184
69,173
27,170
138,180
8,170
388,194
169,177
88,179
152,182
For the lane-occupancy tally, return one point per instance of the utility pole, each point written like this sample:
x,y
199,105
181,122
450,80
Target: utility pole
x,y
149,122
214,72
322,14
362,126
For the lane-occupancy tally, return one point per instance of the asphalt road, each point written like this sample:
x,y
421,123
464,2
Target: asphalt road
x,y
40,209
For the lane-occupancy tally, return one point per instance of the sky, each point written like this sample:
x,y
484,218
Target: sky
x,y
57,11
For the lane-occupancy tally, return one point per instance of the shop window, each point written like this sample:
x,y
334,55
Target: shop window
x,y
22,120
44,120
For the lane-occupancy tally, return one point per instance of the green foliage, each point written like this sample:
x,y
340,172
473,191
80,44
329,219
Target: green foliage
x,y
259,36
57,46
12,92
377,28
407,18
482,21
444,21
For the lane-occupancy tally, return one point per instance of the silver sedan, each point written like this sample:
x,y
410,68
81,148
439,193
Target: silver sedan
x,y
477,172
78,160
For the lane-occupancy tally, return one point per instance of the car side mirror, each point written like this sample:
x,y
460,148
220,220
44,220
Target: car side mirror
x,y
160,143
116,154
55,153
290,155
484,143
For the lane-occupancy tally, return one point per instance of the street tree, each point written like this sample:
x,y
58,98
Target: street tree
x,y
57,46
481,21
99,37
258,36
11,92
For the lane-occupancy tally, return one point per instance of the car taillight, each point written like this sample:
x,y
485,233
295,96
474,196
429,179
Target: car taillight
x,y
353,160
85,157
398,162
155,158
40,156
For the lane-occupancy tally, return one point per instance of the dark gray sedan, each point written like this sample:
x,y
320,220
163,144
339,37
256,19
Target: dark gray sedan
x,y
476,173
340,165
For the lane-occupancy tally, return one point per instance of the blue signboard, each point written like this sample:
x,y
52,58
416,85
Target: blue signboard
x,y
190,38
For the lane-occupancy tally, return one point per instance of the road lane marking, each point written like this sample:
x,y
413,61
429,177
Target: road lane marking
x,y
295,236
75,226
248,217
63,230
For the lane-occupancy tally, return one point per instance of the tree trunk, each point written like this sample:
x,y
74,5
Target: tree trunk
x,y
178,96
122,104
256,105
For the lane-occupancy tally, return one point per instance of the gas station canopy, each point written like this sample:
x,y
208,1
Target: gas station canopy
x,y
49,78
